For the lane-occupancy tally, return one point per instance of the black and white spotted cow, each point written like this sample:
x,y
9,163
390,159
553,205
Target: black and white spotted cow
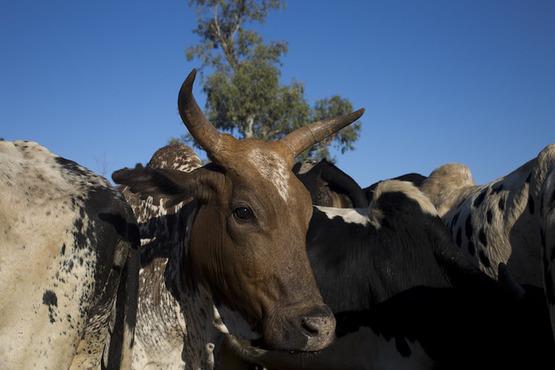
x,y
173,331
68,264
174,328
505,221
405,297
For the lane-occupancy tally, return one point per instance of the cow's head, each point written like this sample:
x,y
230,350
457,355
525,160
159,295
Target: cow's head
x,y
247,242
329,186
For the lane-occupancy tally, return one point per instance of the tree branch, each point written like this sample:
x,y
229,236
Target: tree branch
x,y
238,22
249,129
227,45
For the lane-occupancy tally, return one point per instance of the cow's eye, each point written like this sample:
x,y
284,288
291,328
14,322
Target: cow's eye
x,y
243,213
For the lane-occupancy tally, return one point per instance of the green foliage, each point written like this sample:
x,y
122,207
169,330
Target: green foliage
x,y
244,93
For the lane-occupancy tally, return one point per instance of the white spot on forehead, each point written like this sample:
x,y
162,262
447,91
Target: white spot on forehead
x,y
349,215
273,168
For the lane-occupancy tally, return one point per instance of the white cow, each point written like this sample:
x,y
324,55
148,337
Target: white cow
x,y
68,264
507,220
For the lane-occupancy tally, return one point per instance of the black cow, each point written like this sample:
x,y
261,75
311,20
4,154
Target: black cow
x,y
405,297
329,186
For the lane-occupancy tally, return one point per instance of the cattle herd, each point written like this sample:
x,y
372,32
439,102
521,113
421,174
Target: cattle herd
x,y
252,261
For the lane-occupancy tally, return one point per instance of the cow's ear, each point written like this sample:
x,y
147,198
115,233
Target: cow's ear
x,y
150,181
172,185
342,183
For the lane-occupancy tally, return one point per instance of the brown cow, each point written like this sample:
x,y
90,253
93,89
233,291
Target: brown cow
x,y
247,239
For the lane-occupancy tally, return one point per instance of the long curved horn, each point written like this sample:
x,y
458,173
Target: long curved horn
x,y
208,137
306,136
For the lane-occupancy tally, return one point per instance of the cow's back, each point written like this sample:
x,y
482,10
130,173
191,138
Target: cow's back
x,y
64,239
503,221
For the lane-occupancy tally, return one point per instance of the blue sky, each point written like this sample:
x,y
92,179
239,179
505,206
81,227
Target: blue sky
x,y
441,81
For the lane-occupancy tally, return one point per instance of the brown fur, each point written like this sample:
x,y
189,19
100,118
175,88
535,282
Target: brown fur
x,y
247,241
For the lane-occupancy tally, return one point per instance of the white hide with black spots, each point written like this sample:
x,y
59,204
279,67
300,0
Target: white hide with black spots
x,y
170,333
60,262
504,221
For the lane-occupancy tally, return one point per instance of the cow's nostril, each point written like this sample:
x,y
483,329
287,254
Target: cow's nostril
x,y
318,322
311,326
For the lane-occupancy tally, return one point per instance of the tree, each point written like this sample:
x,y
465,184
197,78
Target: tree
x,y
243,89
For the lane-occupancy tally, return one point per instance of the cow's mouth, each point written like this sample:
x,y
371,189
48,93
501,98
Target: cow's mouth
x,y
252,350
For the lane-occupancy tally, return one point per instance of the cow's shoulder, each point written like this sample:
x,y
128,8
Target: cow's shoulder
x,y
66,234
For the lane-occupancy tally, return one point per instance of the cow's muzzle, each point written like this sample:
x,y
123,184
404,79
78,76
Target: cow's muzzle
x,y
300,329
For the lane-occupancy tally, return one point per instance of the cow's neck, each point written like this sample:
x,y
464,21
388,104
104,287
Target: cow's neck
x,y
358,264
358,272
